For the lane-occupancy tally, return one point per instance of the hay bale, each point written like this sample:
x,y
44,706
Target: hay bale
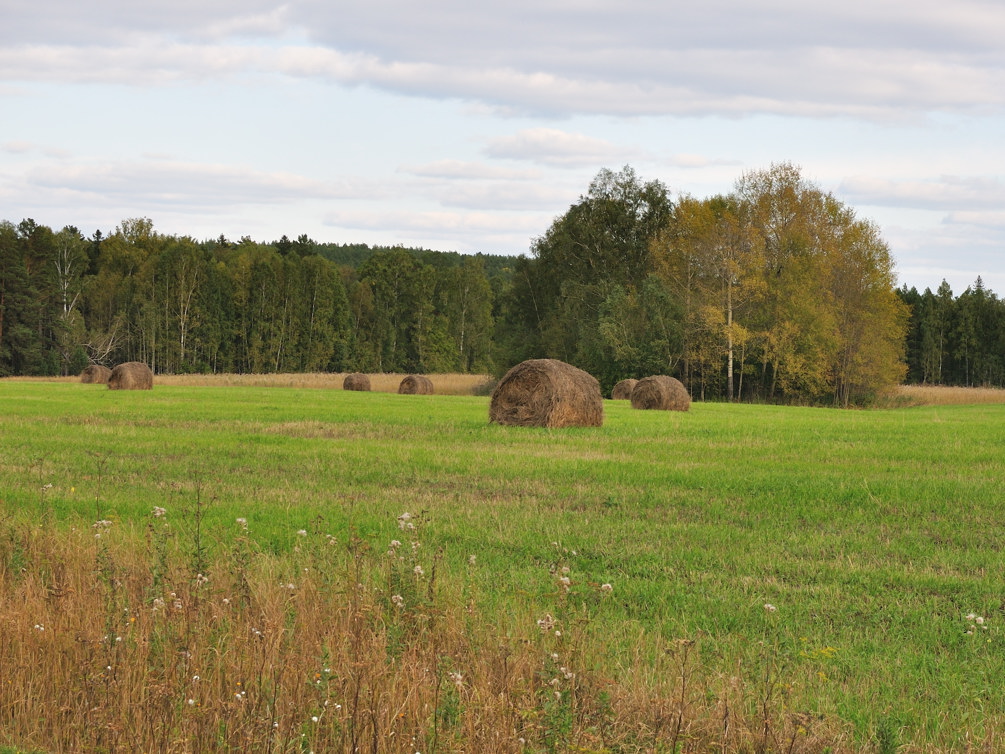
x,y
356,381
547,393
623,390
96,374
132,375
416,384
661,393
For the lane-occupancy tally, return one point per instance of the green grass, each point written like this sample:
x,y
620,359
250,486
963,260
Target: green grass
x,y
873,533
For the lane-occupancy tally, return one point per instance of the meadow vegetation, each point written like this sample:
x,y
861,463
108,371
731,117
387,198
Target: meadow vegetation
x,y
212,567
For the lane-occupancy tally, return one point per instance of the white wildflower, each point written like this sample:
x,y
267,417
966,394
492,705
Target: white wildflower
x,y
159,512
547,623
769,607
606,588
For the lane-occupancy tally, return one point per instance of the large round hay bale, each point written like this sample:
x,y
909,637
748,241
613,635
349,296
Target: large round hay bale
x,y
132,375
661,393
623,390
547,393
96,374
356,381
416,384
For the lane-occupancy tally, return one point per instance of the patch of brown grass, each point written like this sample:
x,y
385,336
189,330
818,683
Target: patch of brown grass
x,y
939,395
124,642
443,384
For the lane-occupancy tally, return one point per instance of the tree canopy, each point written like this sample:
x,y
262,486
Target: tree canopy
x,y
774,292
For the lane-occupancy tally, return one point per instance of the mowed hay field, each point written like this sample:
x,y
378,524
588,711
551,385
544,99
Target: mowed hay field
x,y
204,567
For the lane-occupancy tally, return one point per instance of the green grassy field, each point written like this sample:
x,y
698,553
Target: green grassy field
x,y
872,534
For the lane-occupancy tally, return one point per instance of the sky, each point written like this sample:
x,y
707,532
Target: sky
x,y
466,126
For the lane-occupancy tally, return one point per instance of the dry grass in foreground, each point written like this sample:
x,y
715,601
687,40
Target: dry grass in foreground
x,y
118,643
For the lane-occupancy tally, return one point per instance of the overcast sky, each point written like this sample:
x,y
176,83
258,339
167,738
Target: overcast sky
x,y
466,126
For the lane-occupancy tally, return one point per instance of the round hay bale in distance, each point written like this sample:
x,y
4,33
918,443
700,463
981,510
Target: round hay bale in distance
x,y
132,375
623,390
547,393
661,393
356,381
96,374
416,384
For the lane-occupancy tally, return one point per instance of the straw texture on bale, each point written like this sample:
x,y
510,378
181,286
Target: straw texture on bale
x,y
623,390
356,381
96,373
547,393
662,393
132,375
416,384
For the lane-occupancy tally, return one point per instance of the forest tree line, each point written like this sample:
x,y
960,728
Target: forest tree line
x,y
776,291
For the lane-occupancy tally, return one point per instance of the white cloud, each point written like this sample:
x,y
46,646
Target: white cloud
x,y
103,22
29,148
17,147
550,146
438,222
194,185
993,220
876,60
142,63
942,193
544,197
468,171
696,161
